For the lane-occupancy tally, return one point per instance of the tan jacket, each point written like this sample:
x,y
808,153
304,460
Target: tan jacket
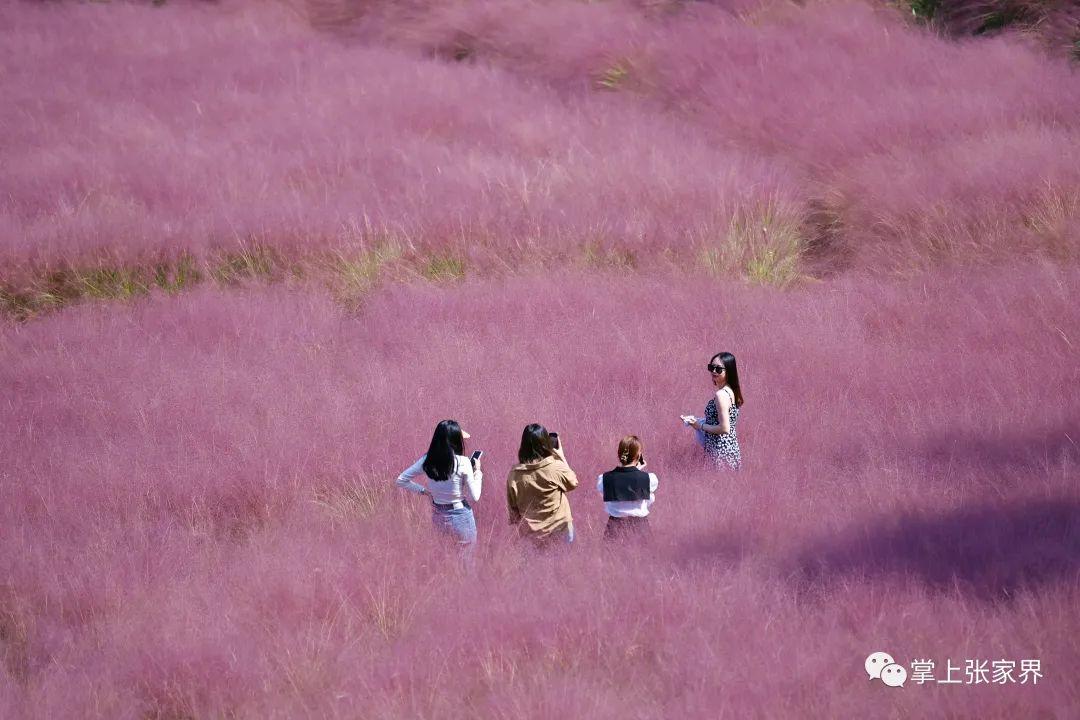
x,y
536,497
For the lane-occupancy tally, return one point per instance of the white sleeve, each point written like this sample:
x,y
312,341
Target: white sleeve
x,y
600,484
654,482
405,479
474,481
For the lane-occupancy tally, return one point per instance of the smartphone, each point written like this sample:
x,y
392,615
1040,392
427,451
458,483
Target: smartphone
x,y
476,456
554,440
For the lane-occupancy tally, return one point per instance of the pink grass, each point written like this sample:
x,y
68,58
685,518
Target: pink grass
x,y
201,519
191,128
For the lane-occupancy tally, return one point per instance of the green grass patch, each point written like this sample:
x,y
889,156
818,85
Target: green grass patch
x,y
614,76
253,262
444,268
55,288
595,254
113,283
352,277
59,287
772,268
349,277
763,244
179,276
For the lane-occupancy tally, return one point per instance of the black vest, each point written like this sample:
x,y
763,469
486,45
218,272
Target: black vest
x,y
626,484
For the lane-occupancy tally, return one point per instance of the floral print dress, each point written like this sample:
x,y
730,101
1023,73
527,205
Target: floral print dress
x,y
723,450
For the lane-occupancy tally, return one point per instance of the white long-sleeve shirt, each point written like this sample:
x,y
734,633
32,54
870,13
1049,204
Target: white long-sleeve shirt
x,y
463,483
629,508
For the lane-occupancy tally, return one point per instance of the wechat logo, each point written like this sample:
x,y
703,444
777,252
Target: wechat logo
x,y
881,666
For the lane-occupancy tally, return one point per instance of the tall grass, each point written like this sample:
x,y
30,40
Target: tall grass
x,y
579,204
200,518
1055,23
526,134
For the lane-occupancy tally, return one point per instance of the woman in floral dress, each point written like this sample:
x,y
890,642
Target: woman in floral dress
x,y
718,428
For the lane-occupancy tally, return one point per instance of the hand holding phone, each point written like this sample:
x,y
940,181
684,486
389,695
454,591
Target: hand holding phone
x,y
475,458
687,419
554,440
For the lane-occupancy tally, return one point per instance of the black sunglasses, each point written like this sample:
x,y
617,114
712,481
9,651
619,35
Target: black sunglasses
x,y
716,369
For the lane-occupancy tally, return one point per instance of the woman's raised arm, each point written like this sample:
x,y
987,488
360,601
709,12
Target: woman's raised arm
x,y
474,480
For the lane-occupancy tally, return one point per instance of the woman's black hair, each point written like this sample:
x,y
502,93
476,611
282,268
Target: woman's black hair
x,y
446,443
535,444
731,374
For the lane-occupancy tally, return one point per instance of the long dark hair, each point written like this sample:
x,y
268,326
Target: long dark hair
x,y
446,443
731,374
535,444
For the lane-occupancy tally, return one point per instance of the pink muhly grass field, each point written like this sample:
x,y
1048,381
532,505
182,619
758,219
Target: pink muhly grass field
x,y
500,132
201,520
295,141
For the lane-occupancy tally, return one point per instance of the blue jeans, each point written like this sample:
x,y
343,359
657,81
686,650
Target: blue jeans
x,y
458,523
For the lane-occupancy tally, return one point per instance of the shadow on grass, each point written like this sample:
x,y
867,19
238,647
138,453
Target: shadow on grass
x,y
714,548
989,552
991,455
1030,450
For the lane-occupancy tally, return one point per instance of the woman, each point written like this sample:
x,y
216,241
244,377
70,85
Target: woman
x,y
451,479
722,413
536,489
628,492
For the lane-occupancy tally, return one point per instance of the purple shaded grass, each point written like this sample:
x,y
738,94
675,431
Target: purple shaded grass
x,y
201,518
